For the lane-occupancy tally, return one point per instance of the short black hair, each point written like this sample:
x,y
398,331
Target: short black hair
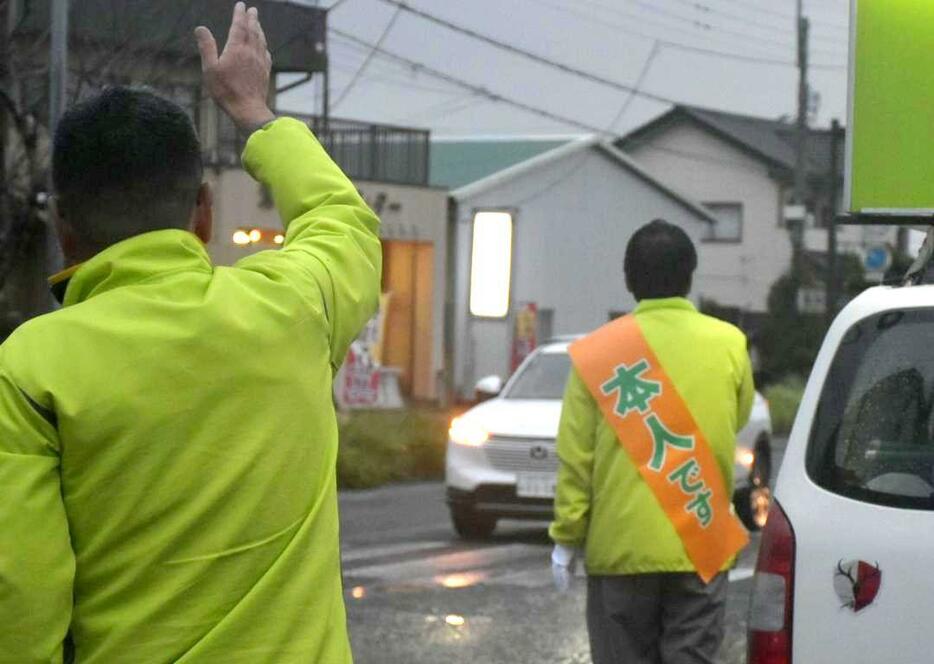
x,y
125,162
660,261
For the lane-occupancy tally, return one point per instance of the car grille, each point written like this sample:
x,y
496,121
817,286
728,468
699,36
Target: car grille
x,y
522,454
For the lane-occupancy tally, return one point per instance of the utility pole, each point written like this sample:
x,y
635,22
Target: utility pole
x,y
58,62
797,232
326,79
326,97
833,290
58,91
5,23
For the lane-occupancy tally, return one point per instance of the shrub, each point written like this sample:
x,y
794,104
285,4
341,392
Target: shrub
x,y
784,399
789,340
379,447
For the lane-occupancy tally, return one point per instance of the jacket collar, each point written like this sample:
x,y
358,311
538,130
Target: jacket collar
x,y
679,303
133,261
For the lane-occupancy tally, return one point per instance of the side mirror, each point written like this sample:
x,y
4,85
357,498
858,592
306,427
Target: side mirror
x,y
488,387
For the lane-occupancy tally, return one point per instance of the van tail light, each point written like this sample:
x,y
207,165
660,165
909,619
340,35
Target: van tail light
x,y
772,592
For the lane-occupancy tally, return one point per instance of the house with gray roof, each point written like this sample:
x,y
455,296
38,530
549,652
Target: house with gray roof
x,y
741,168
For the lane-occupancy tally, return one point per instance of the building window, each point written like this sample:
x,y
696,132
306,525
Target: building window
x,y
491,264
729,222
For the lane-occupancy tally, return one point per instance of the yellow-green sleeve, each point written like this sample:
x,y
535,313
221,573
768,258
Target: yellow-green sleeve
x,y
37,564
747,390
575,445
332,244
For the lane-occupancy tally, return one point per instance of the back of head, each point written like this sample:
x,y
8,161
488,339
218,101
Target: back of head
x,y
660,261
125,162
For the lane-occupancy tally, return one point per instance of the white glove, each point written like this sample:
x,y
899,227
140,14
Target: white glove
x,y
563,559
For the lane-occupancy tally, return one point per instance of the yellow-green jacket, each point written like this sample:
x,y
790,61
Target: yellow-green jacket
x,y
602,502
168,440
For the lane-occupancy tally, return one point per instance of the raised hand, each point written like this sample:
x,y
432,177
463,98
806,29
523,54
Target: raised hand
x,y
238,79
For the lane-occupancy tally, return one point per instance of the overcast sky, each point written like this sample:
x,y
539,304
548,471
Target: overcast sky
x,y
611,38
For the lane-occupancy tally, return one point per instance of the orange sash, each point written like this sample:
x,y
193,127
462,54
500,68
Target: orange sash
x,y
659,433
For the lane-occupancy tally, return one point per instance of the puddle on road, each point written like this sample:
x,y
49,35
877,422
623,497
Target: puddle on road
x,y
461,580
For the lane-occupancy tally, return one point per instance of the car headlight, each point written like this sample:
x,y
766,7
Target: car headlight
x,y
465,432
744,457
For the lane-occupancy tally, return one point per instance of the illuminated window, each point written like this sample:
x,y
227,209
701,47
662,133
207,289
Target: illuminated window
x,y
491,264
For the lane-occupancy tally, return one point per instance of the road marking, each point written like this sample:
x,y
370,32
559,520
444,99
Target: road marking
x,y
354,554
434,562
741,574
458,562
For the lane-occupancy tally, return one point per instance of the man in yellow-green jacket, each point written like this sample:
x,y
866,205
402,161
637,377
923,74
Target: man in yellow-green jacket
x,y
646,446
167,438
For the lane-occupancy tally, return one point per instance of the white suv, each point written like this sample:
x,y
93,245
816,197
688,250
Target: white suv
x,y
501,460
841,572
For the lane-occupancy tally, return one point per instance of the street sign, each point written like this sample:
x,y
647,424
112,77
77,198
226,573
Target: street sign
x,y
890,142
876,260
812,300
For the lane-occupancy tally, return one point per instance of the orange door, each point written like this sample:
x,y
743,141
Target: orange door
x,y
408,275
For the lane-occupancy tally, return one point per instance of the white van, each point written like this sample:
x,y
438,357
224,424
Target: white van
x,y
842,569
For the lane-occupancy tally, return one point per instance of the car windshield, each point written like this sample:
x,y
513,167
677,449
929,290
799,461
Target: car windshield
x,y
544,377
872,438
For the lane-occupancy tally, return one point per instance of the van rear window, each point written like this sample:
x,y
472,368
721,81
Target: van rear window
x,y
873,435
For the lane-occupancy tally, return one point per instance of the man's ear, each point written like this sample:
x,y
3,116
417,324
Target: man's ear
x,y
67,239
202,217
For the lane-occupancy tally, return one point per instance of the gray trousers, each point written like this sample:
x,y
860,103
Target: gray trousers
x,y
655,618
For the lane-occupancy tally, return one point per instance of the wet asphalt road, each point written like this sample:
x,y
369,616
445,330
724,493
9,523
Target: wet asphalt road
x,y
416,594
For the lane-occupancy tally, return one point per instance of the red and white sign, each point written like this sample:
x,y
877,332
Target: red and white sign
x,y
359,384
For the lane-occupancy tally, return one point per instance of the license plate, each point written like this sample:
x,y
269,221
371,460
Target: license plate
x,y
536,485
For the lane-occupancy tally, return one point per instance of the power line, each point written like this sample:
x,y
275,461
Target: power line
x,y
630,19
703,29
739,57
708,9
383,72
493,96
369,57
787,16
640,19
449,107
745,58
662,11
638,85
567,69
383,79
554,117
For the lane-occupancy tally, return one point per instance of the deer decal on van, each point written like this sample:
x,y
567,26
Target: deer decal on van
x,y
857,583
